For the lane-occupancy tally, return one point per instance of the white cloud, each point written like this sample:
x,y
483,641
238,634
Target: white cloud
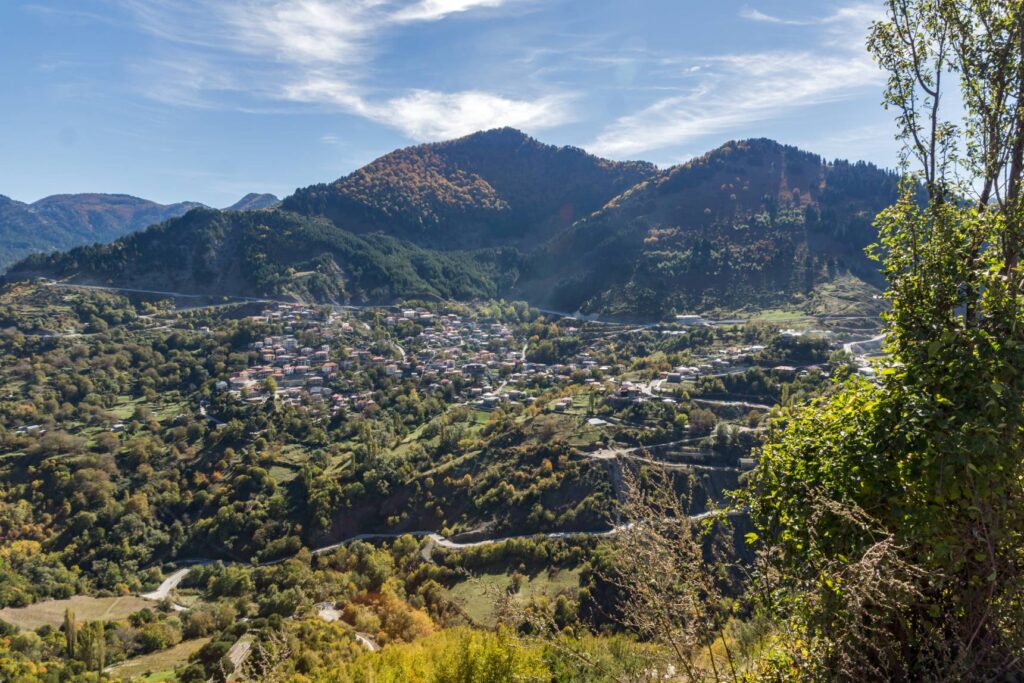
x,y
425,114
737,90
432,115
303,31
296,31
757,15
325,89
861,13
432,10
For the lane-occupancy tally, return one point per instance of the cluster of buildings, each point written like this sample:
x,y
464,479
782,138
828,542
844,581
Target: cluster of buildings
x,y
479,362
468,359
289,368
721,361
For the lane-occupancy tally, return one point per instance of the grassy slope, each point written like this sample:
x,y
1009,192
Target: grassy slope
x,y
478,595
158,666
85,608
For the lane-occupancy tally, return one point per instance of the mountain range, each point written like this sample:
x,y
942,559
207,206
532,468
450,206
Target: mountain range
x,y
63,221
753,223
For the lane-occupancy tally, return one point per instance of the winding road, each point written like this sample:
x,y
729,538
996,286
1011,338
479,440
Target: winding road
x,y
732,404
176,295
169,584
434,540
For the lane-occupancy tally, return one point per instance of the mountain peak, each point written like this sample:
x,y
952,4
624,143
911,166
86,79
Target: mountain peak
x,y
497,187
503,133
254,201
504,137
63,221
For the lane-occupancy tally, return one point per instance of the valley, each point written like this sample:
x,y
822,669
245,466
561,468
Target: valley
x,y
462,436
466,406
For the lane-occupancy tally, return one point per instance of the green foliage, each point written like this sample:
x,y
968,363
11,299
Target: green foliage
x,y
272,253
897,508
464,656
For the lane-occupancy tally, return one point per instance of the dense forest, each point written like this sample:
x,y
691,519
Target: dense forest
x,y
753,223
275,253
494,188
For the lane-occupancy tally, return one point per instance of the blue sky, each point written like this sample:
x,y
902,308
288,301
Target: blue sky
x,y
206,100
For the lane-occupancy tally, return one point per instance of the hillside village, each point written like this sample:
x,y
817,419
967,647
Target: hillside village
x,y
473,360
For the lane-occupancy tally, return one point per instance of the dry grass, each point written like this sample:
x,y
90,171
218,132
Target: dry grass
x,y
158,666
85,608
479,595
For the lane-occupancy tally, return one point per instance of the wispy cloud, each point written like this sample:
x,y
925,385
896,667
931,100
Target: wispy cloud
x,y
758,15
732,91
861,13
737,90
432,10
304,32
320,52
285,31
432,115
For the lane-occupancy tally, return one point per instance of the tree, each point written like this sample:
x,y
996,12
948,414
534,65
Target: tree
x,y
701,421
70,633
661,580
93,641
895,512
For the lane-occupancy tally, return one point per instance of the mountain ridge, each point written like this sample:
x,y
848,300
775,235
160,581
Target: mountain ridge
x,y
64,221
255,201
753,222
500,187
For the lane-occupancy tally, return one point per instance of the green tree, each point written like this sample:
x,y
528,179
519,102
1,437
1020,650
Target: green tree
x,y
70,633
897,509
93,645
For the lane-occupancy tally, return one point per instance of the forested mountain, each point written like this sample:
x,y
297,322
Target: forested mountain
x,y
272,253
64,221
753,223
68,220
498,187
254,202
